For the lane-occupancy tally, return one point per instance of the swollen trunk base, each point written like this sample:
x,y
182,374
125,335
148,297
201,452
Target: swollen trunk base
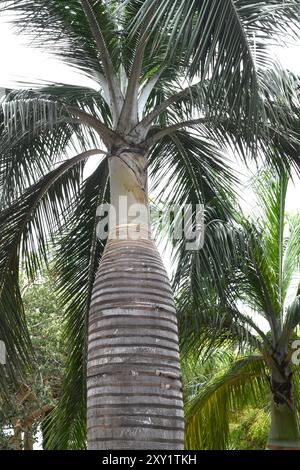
x,y
134,385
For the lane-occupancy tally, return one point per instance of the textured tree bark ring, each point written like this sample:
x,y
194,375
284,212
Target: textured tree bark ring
x,y
134,384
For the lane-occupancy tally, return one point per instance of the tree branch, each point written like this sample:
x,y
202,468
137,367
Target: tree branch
x,y
169,130
147,88
129,114
144,125
108,136
104,85
116,97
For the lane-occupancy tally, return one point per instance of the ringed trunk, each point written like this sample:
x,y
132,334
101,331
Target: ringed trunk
x,y
284,432
134,385
28,440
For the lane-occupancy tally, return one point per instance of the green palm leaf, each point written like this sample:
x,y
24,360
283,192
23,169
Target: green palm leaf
x,y
77,259
210,408
27,226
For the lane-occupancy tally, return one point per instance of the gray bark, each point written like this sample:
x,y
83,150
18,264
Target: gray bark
x,y
134,384
284,431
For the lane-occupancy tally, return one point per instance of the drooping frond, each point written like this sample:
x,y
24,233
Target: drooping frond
x,y
77,259
37,132
16,345
27,226
213,404
26,158
237,268
207,285
86,99
32,220
193,168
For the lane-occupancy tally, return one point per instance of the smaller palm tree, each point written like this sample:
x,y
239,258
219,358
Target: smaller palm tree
x,y
254,298
227,400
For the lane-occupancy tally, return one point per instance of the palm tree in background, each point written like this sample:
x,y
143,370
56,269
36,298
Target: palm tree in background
x,y
169,76
258,306
227,397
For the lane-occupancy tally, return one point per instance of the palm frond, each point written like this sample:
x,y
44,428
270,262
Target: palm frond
x,y
37,138
272,196
31,221
291,256
27,226
19,355
292,320
62,27
223,44
77,259
205,322
210,408
196,166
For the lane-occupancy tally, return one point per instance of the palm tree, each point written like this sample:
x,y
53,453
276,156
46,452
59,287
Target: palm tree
x,y
164,73
257,305
227,399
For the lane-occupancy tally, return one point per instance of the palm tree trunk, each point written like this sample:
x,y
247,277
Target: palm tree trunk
x,y
16,439
134,384
28,440
284,432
